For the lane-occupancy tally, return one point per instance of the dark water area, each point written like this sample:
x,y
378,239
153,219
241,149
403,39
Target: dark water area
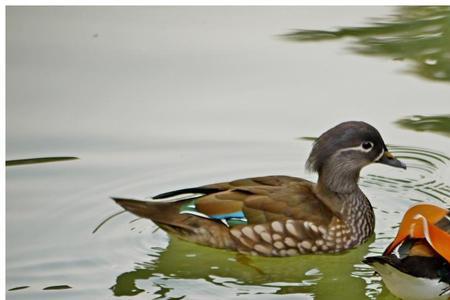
x,y
136,101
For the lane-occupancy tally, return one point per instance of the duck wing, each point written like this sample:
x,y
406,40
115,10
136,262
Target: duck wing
x,y
271,216
253,201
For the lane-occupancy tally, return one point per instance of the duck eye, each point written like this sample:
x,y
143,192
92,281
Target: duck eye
x,y
367,145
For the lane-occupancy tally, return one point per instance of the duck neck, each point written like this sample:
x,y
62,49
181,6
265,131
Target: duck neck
x,y
341,193
358,215
339,179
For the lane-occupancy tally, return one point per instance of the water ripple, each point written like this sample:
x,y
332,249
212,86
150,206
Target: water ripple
x,y
426,175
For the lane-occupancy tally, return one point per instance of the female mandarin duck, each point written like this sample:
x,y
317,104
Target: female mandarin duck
x,y
421,270
281,215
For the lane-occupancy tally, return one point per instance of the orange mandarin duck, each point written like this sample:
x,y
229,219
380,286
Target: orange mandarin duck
x,y
421,268
281,215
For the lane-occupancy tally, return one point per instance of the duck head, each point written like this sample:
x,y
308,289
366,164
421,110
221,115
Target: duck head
x,y
340,153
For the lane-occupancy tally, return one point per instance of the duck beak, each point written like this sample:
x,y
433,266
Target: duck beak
x,y
389,159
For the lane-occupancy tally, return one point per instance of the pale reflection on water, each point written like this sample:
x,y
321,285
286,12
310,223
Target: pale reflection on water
x,y
156,98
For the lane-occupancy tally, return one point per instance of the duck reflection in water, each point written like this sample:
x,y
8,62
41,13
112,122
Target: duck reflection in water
x,y
317,275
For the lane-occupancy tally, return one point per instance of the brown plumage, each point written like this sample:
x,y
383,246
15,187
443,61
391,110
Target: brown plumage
x,y
281,215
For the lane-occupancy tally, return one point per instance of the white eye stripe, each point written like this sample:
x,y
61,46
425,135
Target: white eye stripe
x,y
379,156
357,148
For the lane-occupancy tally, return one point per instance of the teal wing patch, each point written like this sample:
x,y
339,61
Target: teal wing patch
x,y
229,219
